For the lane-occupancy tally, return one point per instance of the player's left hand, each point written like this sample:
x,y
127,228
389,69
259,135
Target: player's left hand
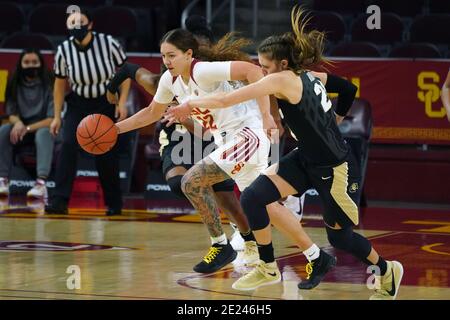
x,y
177,113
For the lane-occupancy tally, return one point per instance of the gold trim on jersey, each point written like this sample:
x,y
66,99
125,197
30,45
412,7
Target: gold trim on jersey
x,y
340,195
164,139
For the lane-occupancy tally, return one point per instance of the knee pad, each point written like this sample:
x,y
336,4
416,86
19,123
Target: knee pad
x,y
350,241
341,238
175,186
254,200
256,212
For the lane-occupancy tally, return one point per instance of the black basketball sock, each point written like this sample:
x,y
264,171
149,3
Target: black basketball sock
x,y
382,265
248,236
266,252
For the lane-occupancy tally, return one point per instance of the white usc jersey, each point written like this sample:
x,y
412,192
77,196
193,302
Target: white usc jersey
x,y
209,78
243,147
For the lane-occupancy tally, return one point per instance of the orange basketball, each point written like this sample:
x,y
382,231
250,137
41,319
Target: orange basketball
x,y
96,134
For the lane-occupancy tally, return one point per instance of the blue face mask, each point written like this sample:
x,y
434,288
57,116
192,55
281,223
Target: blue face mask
x,y
80,33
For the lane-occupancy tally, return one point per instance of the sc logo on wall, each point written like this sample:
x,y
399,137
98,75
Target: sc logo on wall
x,y
428,82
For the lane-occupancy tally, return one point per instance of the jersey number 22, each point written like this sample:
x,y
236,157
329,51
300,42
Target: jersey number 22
x,y
319,89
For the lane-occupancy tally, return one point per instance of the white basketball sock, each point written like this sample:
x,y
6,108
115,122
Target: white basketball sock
x,y
222,240
312,253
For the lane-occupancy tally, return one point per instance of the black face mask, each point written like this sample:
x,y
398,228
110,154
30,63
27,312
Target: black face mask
x,y
31,72
80,33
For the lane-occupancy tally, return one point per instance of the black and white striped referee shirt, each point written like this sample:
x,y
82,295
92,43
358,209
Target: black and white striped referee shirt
x,y
89,69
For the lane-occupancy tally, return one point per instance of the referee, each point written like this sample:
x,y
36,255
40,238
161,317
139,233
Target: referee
x,y
88,60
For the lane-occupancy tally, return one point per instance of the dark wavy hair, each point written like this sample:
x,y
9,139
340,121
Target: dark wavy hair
x,y
228,48
18,77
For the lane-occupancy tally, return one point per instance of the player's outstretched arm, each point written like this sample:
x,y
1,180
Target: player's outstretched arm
x,y
148,80
143,118
145,78
241,70
266,86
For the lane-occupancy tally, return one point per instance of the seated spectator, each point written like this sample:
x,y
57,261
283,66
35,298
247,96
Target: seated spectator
x,y
29,105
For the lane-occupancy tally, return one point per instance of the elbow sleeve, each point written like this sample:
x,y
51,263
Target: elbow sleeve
x,y
345,89
128,70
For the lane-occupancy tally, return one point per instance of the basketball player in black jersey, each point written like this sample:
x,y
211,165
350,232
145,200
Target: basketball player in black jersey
x,y
322,159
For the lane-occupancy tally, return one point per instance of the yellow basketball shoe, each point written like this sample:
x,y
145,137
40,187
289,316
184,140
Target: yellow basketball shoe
x,y
390,282
264,274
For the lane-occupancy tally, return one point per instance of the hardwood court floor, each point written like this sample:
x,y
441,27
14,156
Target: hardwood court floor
x,y
149,252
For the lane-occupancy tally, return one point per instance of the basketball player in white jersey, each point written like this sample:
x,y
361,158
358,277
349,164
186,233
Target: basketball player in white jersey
x,y
243,146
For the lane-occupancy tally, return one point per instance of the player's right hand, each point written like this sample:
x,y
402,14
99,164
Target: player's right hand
x,y
178,113
270,127
55,126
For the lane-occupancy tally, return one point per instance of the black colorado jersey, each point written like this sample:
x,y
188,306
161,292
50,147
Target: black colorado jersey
x,y
167,136
313,123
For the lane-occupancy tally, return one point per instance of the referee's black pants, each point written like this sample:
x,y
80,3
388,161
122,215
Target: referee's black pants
x,y
107,164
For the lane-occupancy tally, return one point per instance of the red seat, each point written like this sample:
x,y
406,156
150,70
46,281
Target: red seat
x,y
439,6
117,21
81,3
431,28
13,18
332,23
49,19
22,40
415,50
355,49
391,29
409,8
347,6
139,3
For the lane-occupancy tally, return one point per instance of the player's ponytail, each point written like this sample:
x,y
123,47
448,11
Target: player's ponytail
x,y
309,46
302,49
228,48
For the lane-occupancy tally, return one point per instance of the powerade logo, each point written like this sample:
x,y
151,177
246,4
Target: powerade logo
x,y
87,173
29,183
158,187
93,173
